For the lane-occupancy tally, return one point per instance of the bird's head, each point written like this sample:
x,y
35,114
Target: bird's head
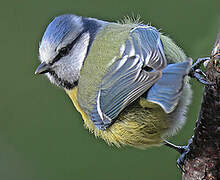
x,y
63,49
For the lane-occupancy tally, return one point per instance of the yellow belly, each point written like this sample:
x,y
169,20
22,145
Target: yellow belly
x,y
141,124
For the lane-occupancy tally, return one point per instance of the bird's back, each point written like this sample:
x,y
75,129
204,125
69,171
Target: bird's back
x,y
141,123
135,126
104,51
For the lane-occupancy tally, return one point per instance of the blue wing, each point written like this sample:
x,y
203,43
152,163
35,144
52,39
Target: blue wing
x,y
119,89
167,90
126,79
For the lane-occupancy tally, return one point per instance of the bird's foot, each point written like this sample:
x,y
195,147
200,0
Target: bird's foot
x,y
180,160
183,150
197,73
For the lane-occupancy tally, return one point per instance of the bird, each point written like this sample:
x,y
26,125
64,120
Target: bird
x,y
127,79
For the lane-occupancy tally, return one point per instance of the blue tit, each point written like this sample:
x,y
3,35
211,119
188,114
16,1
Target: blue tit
x,y
127,80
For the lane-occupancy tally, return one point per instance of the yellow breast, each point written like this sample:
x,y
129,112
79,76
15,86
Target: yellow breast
x,y
136,126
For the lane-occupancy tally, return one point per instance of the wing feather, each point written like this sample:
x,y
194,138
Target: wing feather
x,y
117,93
125,79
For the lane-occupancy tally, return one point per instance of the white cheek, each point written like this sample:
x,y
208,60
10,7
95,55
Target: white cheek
x,y
79,51
78,54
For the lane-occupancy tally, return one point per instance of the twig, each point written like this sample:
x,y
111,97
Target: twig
x,y
202,161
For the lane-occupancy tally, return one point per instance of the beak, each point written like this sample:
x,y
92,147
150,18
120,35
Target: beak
x,y
42,68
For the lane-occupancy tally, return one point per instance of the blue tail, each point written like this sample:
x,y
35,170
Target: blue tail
x,y
167,90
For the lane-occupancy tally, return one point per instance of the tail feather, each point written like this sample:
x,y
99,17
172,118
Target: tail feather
x,y
167,91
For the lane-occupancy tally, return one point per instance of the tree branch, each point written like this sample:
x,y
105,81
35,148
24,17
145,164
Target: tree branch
x,y
202,161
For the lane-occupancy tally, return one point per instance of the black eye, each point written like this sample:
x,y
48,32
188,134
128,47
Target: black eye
x,y
64,51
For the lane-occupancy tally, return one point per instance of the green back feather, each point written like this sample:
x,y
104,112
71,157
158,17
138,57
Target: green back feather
x,y
131,20
104,51
172,52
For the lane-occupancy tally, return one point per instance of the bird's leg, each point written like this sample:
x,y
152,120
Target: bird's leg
x,y
180,149
196,72
183,150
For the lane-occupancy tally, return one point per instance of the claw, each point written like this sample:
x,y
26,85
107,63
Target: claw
x,y
180,160
180,164
196,72
201,77
199,62
183,150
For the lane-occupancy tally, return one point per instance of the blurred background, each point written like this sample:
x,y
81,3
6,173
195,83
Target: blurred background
x,y
42,135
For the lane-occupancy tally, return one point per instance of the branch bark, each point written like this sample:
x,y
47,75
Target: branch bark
x,y
202,162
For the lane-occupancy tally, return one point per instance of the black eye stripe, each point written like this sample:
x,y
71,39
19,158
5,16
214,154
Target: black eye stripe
x,y
69,47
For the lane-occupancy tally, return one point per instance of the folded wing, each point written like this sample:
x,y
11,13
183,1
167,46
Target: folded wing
x,y
119,89
125,77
